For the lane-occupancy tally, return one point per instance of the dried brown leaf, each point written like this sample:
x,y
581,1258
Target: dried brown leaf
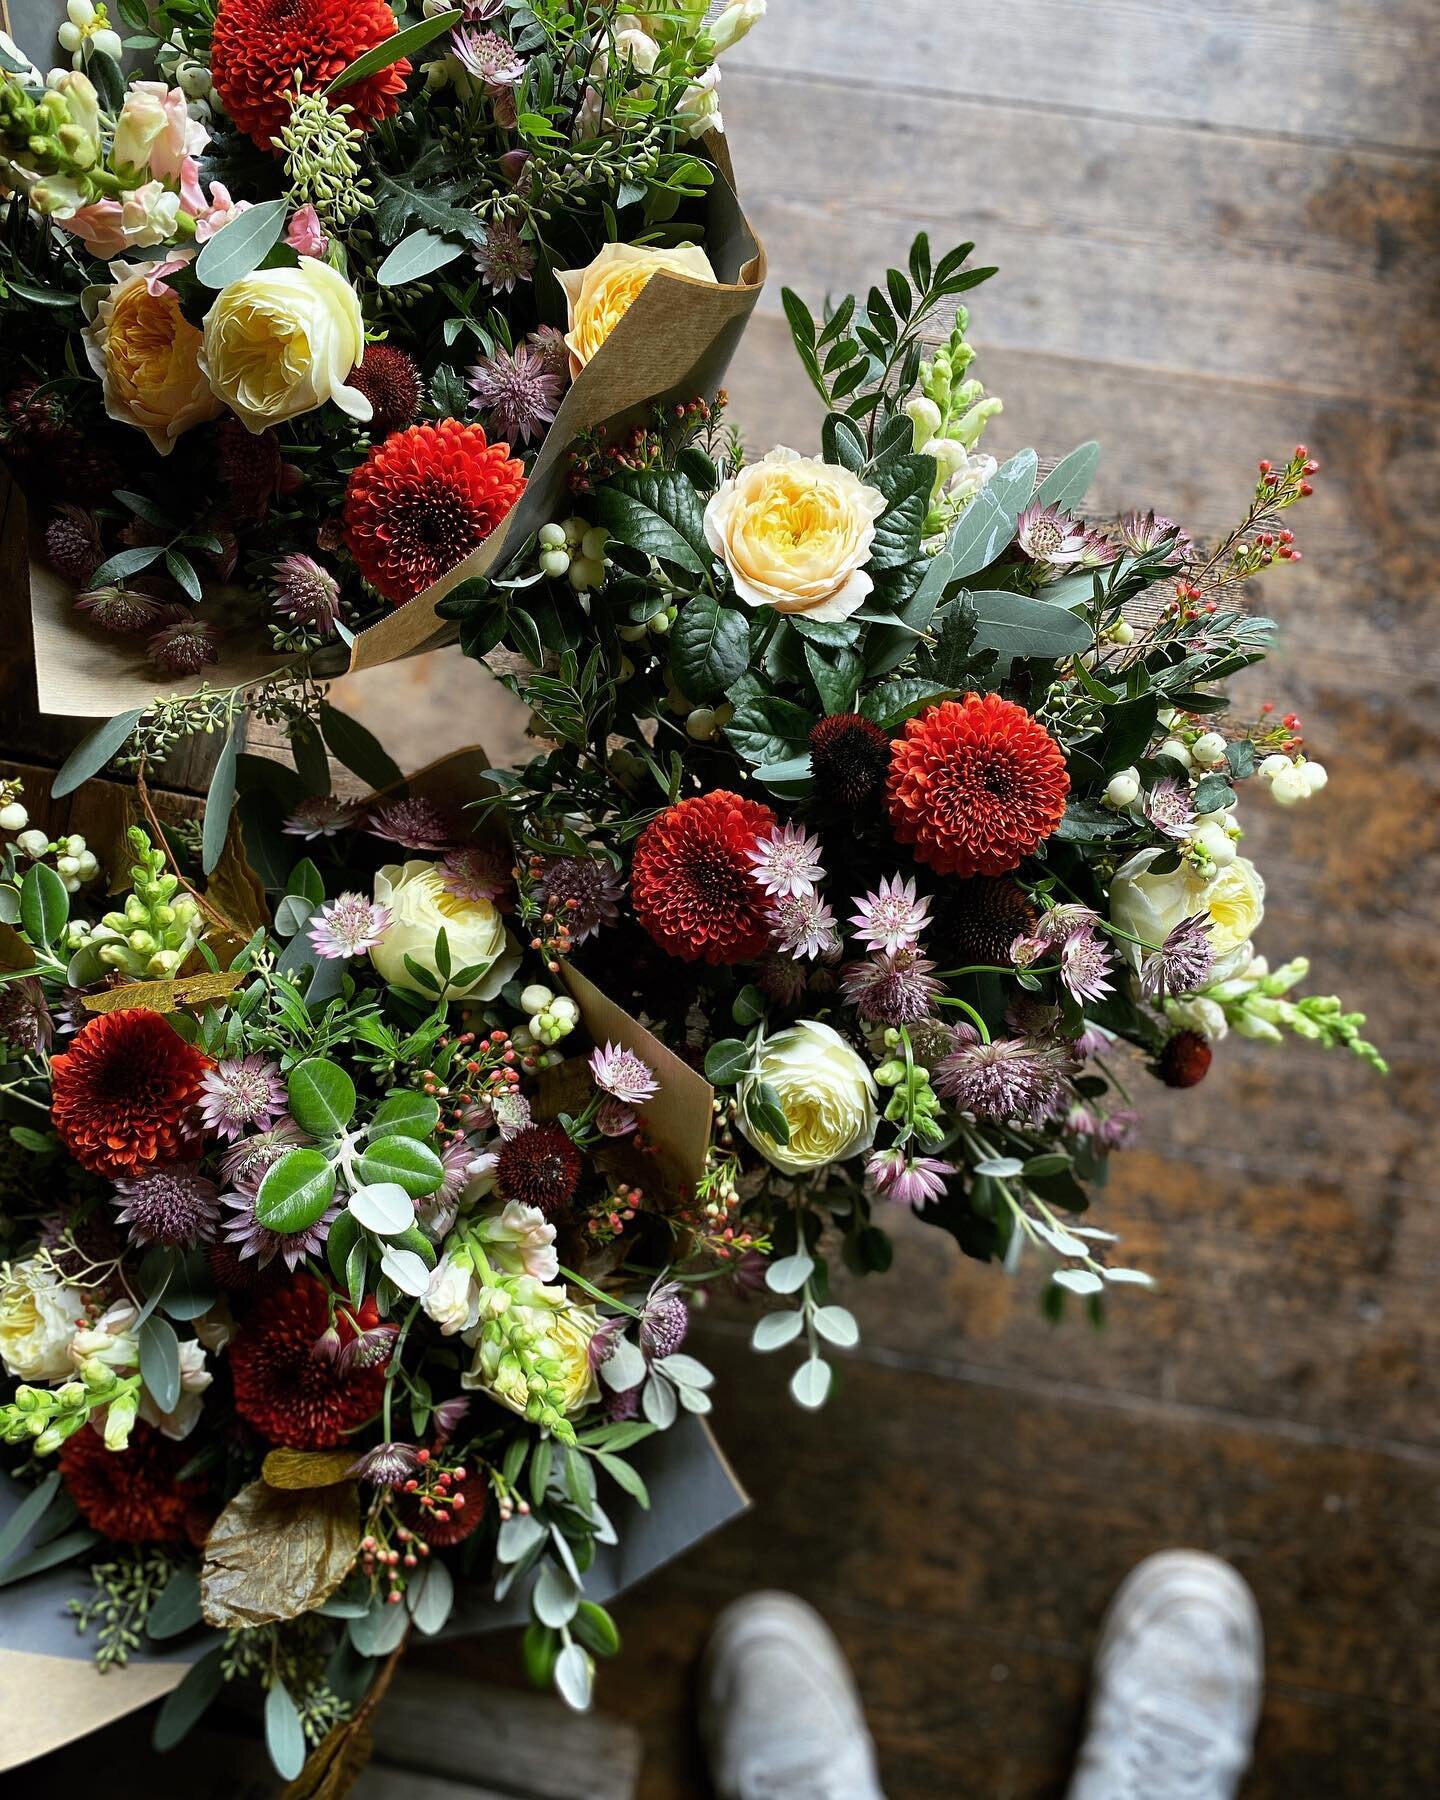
x,y
336,1762
274,1555
164,996
307,1468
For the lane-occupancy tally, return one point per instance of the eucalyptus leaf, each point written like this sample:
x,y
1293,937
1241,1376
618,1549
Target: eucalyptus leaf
x,y
160,1362
788,1274
776,1330
383,1207
555,1597
810,1384
416,256
91,755
240,247
221,798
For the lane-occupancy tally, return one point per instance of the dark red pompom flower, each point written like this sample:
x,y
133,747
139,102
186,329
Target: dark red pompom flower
x,y
975,785
539,1166
124,1094
288,1393
423,500
848,758
390,381
692,880
260,46
134,1495
1185,1060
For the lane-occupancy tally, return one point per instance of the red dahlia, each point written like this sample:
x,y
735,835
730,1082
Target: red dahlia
x,y
282,1388
421,502
975,785
124,1094
134,1495
260,46
691,880
539,1166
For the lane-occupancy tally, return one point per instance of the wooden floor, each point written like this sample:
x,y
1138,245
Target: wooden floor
x,y
1217,231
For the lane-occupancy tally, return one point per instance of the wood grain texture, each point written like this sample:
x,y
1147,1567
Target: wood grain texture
x,y
1343,71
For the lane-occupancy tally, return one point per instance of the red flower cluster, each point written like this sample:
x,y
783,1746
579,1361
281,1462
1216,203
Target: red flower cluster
x,y
288,1393
260,46
124,1094
975,785
390,381
134,1495
691,880
423,500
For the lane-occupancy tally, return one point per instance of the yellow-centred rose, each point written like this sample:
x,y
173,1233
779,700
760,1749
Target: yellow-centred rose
x,y
147,354
1231,900
38,1316
796,534
599,295
420,907
825,1091
281,342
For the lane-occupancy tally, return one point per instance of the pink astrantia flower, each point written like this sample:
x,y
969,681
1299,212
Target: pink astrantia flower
x,y
323,815
1182,962
1085,966
891,918
241,1093
305,234
623,1075
803,925
416,824
477,872
349,926
908,1181
1168,808
787,862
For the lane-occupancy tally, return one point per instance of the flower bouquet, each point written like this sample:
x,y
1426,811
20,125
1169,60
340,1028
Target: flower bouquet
x,y
298,323
313,1317
902,798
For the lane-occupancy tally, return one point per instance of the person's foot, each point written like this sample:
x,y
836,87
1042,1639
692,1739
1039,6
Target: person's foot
x,y
778,1708
1177,1684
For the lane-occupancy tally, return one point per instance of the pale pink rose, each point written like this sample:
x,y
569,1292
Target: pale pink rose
x,y
305,234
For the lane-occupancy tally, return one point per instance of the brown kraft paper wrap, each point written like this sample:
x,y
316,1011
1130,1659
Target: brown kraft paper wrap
x,y
675,342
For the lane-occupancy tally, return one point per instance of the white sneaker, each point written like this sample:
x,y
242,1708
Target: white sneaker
x,y
1176,1685
779,1711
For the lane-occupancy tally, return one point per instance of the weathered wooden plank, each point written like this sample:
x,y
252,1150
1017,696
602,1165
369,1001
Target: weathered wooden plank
x,y
1118,241
435,1724
1348,71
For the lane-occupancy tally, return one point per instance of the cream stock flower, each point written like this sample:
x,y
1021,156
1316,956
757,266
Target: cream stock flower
x,y
38,1315
155,131
281,342
452,1295
557,1336
420,906
1231,901
599,295
796,534
147,353
827,1095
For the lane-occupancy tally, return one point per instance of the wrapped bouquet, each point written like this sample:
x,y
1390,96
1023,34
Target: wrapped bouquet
x,y
311,1308
293,318
903,798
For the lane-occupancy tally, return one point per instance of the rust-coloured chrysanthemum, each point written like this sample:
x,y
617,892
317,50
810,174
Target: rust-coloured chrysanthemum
x,y
975,785
124,1095
288,1393
261,46
423,500
390,381
135,1495
692,881
539,1166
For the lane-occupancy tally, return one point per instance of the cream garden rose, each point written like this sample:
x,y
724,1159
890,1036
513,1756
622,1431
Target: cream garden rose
x,y
599,295
1231,901
147,354
281,342
796,534
420,906
827,1094
38,1317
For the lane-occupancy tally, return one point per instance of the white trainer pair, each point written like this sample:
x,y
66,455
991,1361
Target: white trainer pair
x,y
1176,1695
